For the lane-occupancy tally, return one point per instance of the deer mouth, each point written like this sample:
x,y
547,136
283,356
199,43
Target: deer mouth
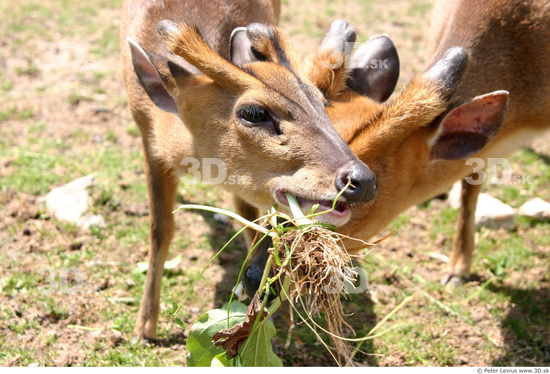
x,y
337,216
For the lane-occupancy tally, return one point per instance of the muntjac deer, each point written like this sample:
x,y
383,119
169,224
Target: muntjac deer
x,y
485,92
197,90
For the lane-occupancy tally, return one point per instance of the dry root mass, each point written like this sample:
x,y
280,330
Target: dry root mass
x,y
319,268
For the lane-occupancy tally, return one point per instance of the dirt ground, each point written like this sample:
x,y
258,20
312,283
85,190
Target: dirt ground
x,y
68,124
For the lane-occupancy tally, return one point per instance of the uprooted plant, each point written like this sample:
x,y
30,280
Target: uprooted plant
x,y
309,265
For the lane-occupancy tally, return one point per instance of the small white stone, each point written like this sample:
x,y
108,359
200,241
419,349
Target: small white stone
x,y
493,213
71,203
536,209
221,218
89,220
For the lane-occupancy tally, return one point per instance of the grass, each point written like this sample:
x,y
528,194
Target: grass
x,y
76,97
48,136
14,113
6,85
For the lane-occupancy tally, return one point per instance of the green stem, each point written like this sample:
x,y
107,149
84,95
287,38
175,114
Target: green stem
x,y
334,202
282,297
265,275
379,324
204,269
296,211
235,216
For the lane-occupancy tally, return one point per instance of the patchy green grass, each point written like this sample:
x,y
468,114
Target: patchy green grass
x,y
14,113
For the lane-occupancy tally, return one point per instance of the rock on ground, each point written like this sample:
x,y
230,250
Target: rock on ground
x,y
536,209
493,213
490,212
71,203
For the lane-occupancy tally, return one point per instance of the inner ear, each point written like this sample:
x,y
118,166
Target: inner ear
x,y
154,75
465,130
375,68
256,42
241,49
261,42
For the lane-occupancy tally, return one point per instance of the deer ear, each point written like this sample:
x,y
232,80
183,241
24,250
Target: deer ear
x,y
157,76
257,42
375,68
241,48
186,42
465,130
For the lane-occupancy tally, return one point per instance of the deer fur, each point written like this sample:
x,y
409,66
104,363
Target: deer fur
x,y
197,92
508,49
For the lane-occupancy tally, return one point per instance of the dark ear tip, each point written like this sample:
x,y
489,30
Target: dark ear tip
x,y
166,28
386,45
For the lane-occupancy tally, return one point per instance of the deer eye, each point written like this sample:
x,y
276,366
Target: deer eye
x,y
254,115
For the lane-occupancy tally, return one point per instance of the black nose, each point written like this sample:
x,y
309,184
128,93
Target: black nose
x,y
363,182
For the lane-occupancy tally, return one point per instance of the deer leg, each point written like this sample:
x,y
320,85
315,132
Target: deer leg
x,y
162,186
463,245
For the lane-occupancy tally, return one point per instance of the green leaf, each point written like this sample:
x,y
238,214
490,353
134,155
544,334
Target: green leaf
x,y
141,267
257,349
180,323
220,361
237,362
171,265
199,342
